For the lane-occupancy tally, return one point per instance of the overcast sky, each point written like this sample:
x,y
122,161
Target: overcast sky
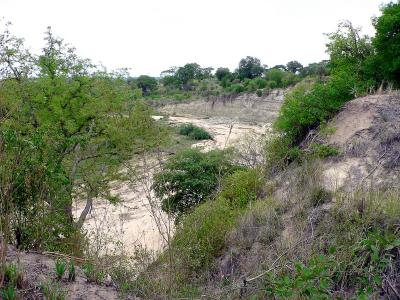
x,y
150,36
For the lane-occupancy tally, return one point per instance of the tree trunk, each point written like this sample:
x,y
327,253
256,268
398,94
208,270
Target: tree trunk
x,y
85,212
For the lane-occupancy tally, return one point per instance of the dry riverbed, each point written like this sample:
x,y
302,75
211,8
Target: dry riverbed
x,y
131,223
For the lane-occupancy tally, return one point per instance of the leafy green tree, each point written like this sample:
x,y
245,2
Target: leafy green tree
x,y
294,66
189,178
223,73
387,42
316,69
148,84
250,67
280,67
189,72
68,128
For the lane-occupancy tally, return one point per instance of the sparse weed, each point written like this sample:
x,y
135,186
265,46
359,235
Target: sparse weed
x,y
60,266
71,271
319,195
53,291
11,274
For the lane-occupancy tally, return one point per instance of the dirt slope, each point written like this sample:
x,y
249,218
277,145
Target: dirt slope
x,y
38,269
367,133
247,108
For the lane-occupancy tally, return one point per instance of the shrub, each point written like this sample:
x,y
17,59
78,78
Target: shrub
x,y
202,235
319,195
194,132
237,88
189,177
259,93
305,108
279,154
242,187
324,151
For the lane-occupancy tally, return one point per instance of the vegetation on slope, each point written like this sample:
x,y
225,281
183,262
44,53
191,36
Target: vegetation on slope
x,y
287,238
269,231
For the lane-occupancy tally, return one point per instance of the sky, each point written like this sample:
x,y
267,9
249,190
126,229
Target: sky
x,y
150,36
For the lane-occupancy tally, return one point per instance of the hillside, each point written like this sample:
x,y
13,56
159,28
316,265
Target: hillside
x,y
303,213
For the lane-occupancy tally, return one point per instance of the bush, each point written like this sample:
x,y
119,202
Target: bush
x,y
194,132
242,187
190,177
259,93
202,235
324,151
305,108
319,196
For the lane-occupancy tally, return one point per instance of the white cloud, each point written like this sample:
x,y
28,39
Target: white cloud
x,y
151,35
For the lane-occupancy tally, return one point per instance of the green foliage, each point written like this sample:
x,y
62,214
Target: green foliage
x,y
249,67
60,266
147,84
11,274
93,273
259,93
310,281
9,293
294,66
387,43
53,291
279,153
202,234
223,73
305,108
71,272
190,177
68,124
320,69
324,151
194,132
242,187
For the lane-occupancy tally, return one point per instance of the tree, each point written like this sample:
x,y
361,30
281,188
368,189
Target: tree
x,y
189,72
250,67
69,126
148,84
223,73
294,66
319,69
348,48
280,67
387,42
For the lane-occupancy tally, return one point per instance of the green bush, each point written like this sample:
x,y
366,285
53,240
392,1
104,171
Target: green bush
x,y
242,187
194,132
202,235
259,93
190,177
324,151
305,108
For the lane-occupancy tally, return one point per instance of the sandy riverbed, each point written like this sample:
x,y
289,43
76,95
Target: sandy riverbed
x,y
130,223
